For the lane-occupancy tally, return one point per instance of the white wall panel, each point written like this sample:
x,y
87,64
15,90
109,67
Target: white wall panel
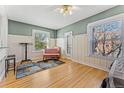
x,y
80,46
18,50
52,43
80,53
60,43
3,40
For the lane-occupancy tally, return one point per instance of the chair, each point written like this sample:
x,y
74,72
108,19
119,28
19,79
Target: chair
x,y
51,53
10,65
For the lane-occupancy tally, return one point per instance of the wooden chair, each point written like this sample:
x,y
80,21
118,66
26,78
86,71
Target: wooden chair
x,y
10,65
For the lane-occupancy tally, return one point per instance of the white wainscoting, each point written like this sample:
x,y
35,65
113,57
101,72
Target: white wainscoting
x,y
3,54
60,43
3,40
80,52
18,50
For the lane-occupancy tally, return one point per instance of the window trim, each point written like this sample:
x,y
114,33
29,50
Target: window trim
x,y
33,39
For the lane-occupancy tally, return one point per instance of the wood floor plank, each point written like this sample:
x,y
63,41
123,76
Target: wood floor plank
x,y
70,74
71,79
56,76
92,79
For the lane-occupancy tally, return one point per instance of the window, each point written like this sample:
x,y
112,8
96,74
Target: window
x,y
68,43
40,39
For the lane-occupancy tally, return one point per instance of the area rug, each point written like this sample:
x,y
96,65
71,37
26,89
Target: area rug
x,y
30,68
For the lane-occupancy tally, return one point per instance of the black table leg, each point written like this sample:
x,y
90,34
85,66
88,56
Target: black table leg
x,y
26,54
14,65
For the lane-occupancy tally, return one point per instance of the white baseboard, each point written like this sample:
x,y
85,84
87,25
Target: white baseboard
x,y
89,65
95,67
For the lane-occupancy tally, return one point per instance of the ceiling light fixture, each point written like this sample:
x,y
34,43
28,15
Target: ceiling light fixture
x,y
66,9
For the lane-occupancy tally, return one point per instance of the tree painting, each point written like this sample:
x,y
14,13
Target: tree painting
x,y
106,39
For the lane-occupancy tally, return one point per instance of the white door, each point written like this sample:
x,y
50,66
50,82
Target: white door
x,y
68,44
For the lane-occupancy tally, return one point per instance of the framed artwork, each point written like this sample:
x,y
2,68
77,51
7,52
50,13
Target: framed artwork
x,y
40,39
105,37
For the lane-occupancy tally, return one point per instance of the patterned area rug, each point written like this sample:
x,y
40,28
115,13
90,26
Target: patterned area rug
x,y
28,69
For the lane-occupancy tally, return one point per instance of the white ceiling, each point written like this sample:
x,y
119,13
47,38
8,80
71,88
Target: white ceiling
x,y
46,16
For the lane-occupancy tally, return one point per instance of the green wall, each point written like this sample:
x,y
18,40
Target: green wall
x,y
80,27
19,28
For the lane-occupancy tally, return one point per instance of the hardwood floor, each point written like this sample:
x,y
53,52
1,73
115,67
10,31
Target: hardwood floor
x,y
67,75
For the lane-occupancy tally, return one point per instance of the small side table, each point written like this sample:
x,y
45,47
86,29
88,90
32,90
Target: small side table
x,y
26,52
10,65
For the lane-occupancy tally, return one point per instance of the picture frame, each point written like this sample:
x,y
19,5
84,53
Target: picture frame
x,y
105,37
